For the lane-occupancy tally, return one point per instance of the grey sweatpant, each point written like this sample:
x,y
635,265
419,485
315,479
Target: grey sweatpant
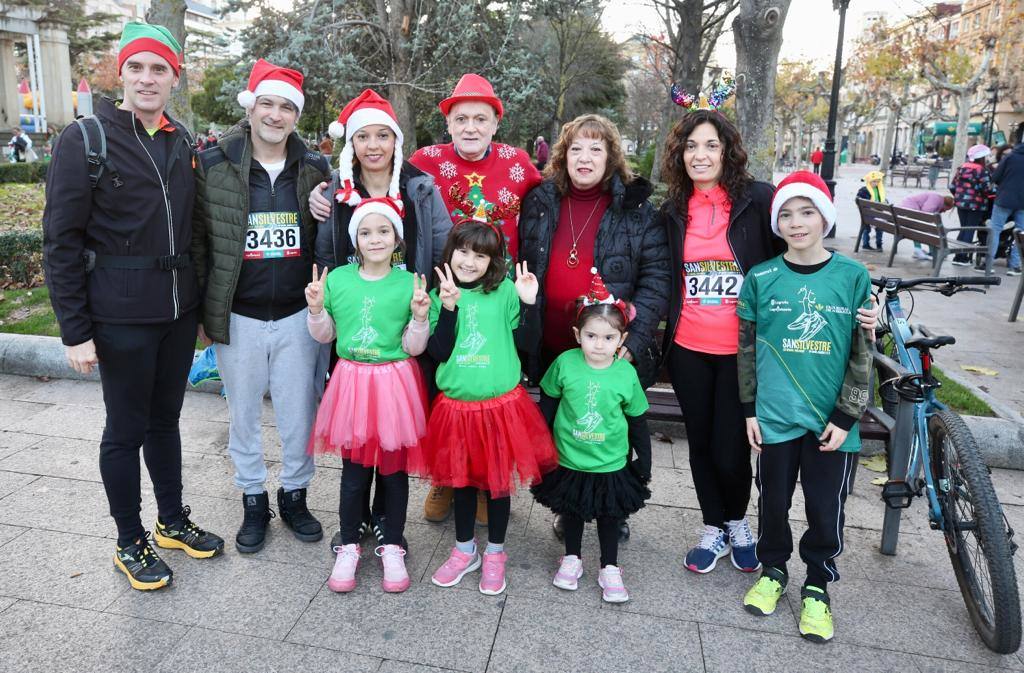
x,y
279,355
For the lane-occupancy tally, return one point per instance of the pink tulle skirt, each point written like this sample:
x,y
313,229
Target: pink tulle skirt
x,y
374,415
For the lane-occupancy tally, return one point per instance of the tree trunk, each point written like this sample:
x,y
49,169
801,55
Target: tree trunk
x,y
659,149
962,121
890,135
798,143
171,15
397,21
758,34
780,142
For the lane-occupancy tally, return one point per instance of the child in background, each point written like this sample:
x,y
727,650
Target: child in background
x,y
595,405
799,340
373,411
873,190
484,431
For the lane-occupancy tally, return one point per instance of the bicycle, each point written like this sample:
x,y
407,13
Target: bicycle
x,y
932,454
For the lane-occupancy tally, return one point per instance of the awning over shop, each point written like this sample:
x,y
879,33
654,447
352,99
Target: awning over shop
x,y
949,128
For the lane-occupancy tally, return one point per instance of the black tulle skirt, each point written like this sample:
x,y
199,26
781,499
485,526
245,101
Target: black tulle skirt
x,y
592,494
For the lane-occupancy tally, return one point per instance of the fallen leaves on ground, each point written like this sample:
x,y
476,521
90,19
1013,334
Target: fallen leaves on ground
x,y
979,370
875,463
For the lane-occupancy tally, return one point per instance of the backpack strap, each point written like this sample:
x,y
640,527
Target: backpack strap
x,y
95,140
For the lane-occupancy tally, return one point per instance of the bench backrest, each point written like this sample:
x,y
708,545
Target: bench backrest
x,y
876,214
920,226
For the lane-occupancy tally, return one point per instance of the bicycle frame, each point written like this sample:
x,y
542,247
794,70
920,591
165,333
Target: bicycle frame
x,y
908,468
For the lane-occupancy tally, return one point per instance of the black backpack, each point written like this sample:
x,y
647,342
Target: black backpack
x,y
95,140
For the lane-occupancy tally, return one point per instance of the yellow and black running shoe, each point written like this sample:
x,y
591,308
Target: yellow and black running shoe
x,y
185,535
140,564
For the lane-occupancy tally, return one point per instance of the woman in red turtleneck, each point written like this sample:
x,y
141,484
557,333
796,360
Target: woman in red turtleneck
x,y
592,212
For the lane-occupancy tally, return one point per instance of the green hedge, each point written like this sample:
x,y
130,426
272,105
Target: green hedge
x,y
24,172
21,258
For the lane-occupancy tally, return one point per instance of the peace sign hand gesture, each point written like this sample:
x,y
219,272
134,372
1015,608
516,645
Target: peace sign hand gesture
x,y
447,291
526,284
315,292
420,304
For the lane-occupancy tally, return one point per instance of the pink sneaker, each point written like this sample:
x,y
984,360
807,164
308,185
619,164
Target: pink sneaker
x,y
396,579
610,581
569,573
343,577
453,570
492,577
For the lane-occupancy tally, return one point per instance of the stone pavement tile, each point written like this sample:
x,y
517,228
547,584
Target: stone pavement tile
x,y
8,533
228,593
66,505
426,624
769,653
211,474
13,414
933,665
12,481
52,568
67,392
59,420
11,442
234,653
395,666
57,457
13,387
204,406
1009,485
920,560
204,436
673,488
36,637
661,454
6,603
906,619
533,634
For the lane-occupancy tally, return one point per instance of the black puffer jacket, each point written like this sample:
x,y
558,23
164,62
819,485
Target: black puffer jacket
x,y
750,235
630,252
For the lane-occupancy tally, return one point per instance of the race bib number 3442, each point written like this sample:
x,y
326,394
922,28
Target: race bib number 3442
x,y
272,234
712,282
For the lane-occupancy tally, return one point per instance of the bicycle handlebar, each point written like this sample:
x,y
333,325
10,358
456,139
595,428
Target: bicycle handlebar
x,y
955,281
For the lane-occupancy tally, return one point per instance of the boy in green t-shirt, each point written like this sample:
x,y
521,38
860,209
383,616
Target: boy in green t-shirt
x,y
801,344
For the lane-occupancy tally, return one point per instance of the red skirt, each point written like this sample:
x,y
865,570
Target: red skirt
x,y
374,415
488,444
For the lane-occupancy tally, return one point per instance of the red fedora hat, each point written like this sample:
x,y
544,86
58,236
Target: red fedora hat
x,y
472,87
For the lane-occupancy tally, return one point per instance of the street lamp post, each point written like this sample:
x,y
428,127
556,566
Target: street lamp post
x,y
994,90
829,162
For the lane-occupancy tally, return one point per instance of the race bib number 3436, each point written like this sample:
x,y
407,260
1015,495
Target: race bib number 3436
x,y
272,234
712,282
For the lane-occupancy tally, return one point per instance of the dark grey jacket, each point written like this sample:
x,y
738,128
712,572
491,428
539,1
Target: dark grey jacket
x,y
1009,179
630,251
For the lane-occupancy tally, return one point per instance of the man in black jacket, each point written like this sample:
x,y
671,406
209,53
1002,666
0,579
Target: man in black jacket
x,y
116,256
1009,205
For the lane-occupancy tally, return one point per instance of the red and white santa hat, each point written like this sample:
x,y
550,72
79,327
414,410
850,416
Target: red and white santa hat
x,y
364,110
809,186
383,205
599,294
267,79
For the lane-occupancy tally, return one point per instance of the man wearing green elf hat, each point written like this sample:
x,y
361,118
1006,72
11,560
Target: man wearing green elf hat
x,y
117,229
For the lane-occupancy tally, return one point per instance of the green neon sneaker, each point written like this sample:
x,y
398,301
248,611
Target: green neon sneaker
x,y
762,598
815,615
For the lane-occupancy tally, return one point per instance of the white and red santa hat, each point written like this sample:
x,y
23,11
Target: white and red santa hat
x,y
809,186
267,79
383,205
599,294
364,110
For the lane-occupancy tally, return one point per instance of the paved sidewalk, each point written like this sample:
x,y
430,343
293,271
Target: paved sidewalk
x,y
62,607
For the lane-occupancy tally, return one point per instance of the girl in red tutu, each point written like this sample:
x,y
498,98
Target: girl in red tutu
x,y
485,433
373,410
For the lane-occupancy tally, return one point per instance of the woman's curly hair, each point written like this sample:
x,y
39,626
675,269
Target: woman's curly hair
x,y
735,179
588,126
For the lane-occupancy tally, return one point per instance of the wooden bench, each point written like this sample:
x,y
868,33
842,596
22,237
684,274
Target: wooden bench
x,y
927,228
913,172
874,214
1018,237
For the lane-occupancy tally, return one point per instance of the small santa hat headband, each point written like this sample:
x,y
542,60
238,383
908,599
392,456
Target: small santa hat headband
x,y
809,186
720,93
366,109
599,294
384,205
267,79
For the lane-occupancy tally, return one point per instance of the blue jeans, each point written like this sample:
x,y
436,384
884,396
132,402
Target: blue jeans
x,y
865,237
1000,216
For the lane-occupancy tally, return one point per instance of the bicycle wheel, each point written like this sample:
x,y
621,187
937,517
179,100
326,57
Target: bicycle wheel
x,y
975,533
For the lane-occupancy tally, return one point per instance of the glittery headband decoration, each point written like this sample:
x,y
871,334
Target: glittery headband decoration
x,y
483,211
721,92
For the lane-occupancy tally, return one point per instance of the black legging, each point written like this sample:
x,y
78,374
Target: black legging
x,y
707,388
143,370
355,483
498,510
607,536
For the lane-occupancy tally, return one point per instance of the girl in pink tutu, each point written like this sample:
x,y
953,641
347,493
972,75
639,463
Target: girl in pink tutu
x,y
373,410
485,433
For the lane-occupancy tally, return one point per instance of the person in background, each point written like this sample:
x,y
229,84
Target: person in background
x,y
1009,205
926,202
541,151
817,157
972,190
873,190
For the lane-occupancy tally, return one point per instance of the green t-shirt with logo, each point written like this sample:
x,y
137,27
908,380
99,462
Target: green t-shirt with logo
x,y
590,430
369,315
484,363
805,326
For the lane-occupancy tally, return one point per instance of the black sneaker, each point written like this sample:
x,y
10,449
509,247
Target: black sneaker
x,y
624,531
143,568
295,515
185,535
257,515
377,524
557,527
364,530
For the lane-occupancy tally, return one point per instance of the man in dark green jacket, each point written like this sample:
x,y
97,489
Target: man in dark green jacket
x,y
253,249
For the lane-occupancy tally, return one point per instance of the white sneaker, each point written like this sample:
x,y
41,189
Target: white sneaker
x,y
919,253
569,573
343,577
392,558
612,588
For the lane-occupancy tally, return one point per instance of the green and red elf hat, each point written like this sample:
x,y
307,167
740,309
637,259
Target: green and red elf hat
x,y
138,37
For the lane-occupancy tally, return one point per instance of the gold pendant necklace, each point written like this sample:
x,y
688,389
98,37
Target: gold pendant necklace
x,y
573,260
